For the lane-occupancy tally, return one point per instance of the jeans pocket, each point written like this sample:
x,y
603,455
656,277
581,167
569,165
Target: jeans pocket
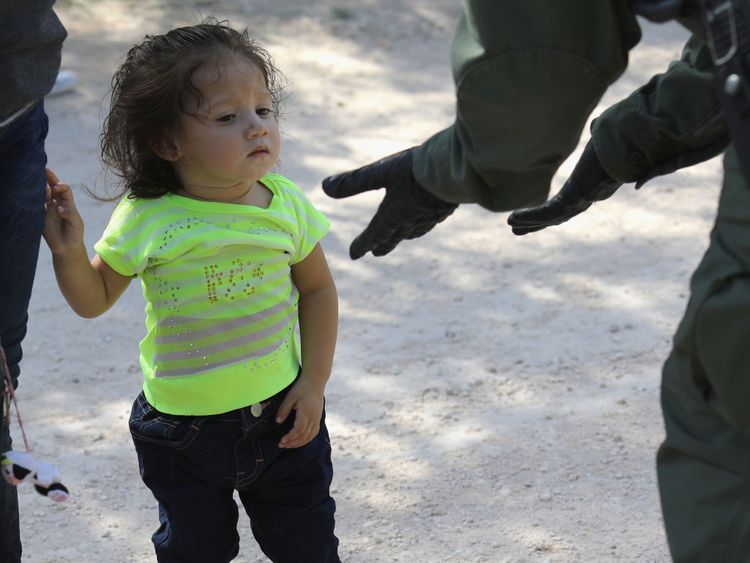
x,y
173,431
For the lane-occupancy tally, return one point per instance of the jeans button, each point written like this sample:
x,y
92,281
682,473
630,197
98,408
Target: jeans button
x,y
256,410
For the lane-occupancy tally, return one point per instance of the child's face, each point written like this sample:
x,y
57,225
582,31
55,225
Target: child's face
x,y
233,138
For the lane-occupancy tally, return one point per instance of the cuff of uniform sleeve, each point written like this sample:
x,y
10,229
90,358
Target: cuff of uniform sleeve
x,y
622,139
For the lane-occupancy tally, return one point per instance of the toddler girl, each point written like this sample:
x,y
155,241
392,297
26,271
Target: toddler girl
x,y
230,263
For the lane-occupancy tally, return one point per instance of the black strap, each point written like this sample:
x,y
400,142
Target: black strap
x,y
728,39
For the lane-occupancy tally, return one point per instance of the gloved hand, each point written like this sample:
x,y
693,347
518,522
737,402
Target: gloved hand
x,y
407,211
588,183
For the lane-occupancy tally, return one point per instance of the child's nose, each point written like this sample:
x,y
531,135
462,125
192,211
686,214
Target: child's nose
x,y
256,127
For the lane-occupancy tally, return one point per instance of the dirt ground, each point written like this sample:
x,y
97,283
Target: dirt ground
x,y
494,399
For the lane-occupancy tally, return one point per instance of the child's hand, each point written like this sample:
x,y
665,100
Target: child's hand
x,y
307,400
63,226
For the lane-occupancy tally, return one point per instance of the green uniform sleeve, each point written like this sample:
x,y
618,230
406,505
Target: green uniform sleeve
x,y
673,121
528,74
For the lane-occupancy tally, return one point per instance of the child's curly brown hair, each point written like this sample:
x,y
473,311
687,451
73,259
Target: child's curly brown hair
x,y
154,87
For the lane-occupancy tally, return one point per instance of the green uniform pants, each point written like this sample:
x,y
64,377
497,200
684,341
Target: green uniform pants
x,y
704,462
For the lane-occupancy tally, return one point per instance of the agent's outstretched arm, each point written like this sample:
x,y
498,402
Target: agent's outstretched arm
x,y
655,131
527,74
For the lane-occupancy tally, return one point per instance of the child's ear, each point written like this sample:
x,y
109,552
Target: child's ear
x,y
166,148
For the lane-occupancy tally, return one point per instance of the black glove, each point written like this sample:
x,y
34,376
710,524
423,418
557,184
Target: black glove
x,y
407,210
588,183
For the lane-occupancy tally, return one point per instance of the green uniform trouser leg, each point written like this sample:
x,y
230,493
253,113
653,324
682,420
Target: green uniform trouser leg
x,y
704,462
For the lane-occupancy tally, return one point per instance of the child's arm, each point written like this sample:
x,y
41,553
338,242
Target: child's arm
x,y
89,287
318,322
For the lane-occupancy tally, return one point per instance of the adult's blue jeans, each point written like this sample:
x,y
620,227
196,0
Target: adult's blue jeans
x,y
22,194
193,465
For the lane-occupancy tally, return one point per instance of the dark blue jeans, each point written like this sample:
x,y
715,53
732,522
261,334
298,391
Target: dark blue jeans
x,y
193,465
22,194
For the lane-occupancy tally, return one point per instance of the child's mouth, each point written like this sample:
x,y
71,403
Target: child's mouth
x,y
259,152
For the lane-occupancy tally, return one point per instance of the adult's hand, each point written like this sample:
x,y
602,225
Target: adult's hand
x,y
588,183
407,211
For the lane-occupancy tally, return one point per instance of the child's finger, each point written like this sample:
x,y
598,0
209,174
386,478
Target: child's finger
x,y
285,408
61,193
52,178
294,438
63,196
308,433
62,190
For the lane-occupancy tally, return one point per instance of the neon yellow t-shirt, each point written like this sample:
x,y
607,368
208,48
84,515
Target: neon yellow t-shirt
x,y
221,308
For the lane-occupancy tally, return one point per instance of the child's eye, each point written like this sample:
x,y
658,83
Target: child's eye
x,y
264,112
227,118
